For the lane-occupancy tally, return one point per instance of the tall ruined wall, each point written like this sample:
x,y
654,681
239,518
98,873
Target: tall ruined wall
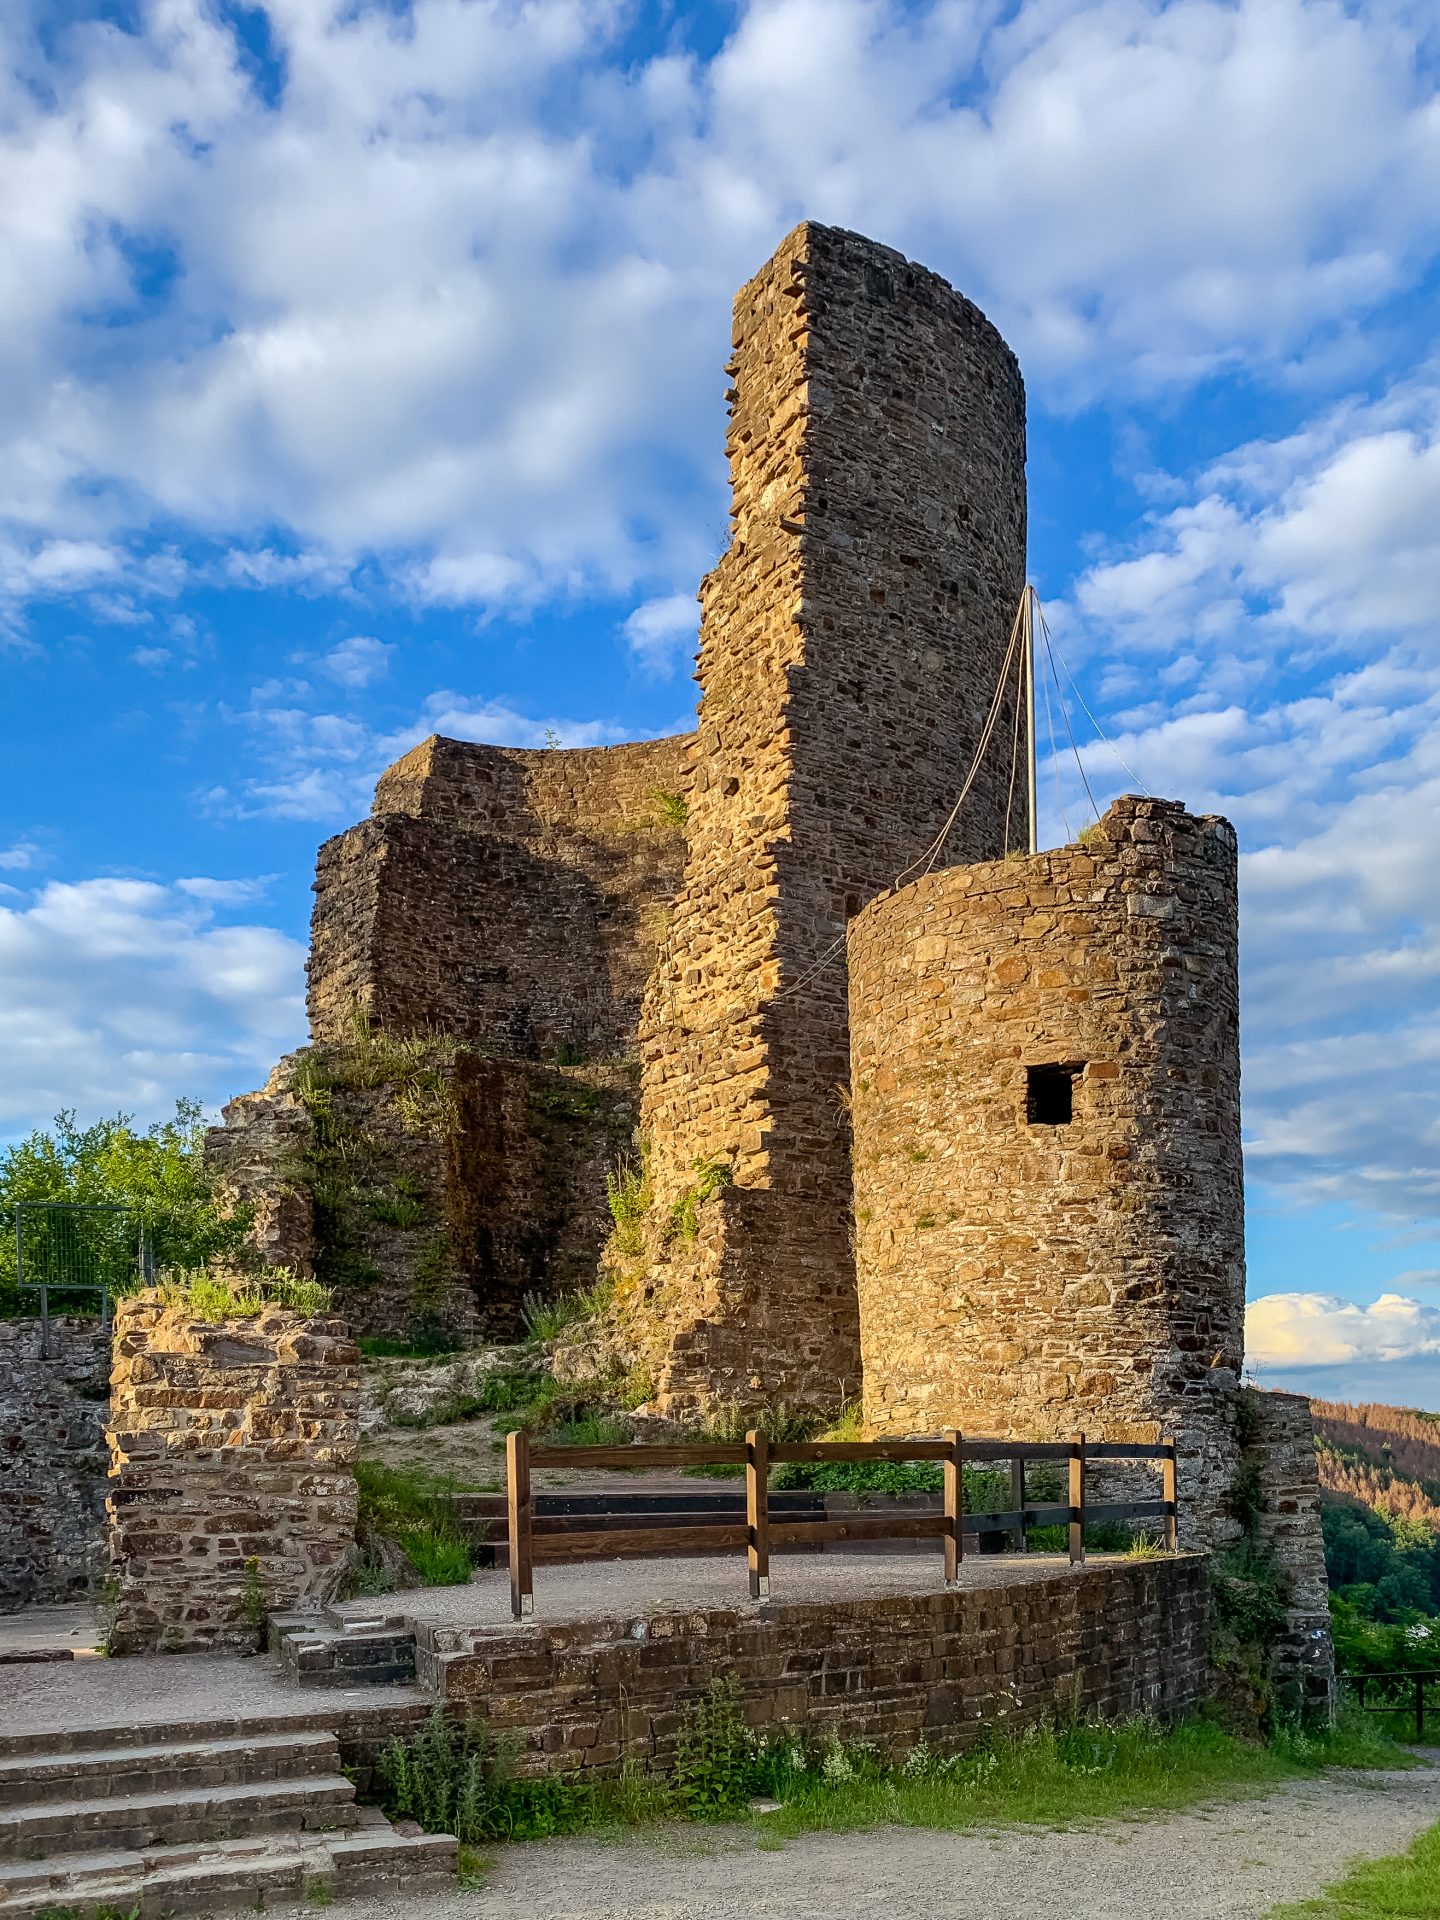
x,y
230,1441
52,1459
439,1188
851,642
1281,1442
1020,1273
512,899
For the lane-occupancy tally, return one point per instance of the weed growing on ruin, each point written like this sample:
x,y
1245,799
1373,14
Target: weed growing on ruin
x,y
683,1220
395,1209
627,1190
425,1340
546,1318
668,809
412,1511
211,1296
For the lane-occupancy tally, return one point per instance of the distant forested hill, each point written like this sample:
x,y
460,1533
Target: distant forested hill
x,y
1380,1506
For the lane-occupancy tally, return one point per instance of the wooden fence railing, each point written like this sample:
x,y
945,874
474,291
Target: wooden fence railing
x,y
763,1528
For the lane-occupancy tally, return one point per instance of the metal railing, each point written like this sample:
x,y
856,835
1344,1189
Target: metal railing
x,y
1399,1692
86,1248
760,1530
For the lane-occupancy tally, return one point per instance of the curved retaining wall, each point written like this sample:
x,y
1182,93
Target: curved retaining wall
x,y
1019,1273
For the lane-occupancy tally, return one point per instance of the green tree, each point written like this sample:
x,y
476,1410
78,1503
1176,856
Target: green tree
x,y
158,1175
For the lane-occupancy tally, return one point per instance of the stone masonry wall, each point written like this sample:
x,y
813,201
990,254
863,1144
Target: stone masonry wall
x,y
230,1441
1113,1640
851,642
1037,1279
1288,1527
52,1460
512,899
449,1208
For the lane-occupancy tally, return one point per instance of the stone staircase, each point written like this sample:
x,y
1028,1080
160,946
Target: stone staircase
x,y
336,1650
193,1821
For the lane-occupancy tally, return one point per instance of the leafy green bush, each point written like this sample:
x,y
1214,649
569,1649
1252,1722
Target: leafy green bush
x,y
159,1175
717,1757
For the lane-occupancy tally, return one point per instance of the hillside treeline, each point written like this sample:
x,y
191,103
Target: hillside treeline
x,y
1397,1439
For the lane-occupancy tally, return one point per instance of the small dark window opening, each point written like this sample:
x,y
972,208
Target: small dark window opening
x,y
1050,1095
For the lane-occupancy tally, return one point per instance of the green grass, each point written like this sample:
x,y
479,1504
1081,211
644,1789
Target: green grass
x,y
461,1779
1406,1886
1047,1777
415,1509
213,1297
424,1342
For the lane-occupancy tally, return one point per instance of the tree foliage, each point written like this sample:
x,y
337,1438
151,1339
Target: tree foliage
x,y
158,1175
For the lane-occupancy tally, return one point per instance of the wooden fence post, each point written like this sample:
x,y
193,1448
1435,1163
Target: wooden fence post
x,y
757,1511
954,1507
522,1561
1017,1500
1077,1499
1170,1494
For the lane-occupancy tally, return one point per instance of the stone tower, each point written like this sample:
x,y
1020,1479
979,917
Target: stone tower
x,y
851,645
1048,1192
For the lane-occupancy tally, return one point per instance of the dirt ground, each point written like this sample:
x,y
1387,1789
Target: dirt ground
x,y
1227,1862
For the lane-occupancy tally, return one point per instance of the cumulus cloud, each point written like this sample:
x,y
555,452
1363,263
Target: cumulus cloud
x,y
450,290
358,661
662,634
322,767
122,993
1322,1330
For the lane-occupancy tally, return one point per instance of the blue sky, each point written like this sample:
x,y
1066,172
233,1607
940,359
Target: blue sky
x,y
360,377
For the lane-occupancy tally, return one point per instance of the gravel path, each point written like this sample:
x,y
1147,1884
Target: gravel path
x,y
1229,1862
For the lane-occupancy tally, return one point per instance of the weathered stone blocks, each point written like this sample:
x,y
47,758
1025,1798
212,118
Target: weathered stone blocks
x,y
230,1441
851,643
52,1459
1048,1192
1113,1640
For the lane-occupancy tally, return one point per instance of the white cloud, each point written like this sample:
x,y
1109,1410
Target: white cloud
x,y
150,656
456,299
1321,1330
323,767
358,661
20,857
120,994
663,634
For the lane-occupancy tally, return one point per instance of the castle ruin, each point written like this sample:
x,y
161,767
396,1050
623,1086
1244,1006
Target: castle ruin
x,y
965,1141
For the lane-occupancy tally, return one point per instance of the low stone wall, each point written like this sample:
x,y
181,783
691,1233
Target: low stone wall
x,y
1302,1660
1114,1639
52,1460
231,1441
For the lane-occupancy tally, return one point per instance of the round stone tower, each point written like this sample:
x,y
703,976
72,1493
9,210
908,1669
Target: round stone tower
x,y
1046,1104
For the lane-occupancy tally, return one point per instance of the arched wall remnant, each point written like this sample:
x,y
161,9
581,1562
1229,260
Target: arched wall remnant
x,y
1046,1103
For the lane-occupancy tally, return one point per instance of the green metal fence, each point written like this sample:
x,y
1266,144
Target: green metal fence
x,y
71,1256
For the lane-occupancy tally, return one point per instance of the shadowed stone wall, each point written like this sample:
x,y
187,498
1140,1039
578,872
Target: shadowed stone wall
x,y
1288,1526
52,1460
851,642
511,899
230,1441
1032,1277
947,1668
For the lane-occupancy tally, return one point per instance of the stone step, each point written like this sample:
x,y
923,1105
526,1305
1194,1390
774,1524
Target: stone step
x,y
128,1822
333,1651
163,1767
157,1881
